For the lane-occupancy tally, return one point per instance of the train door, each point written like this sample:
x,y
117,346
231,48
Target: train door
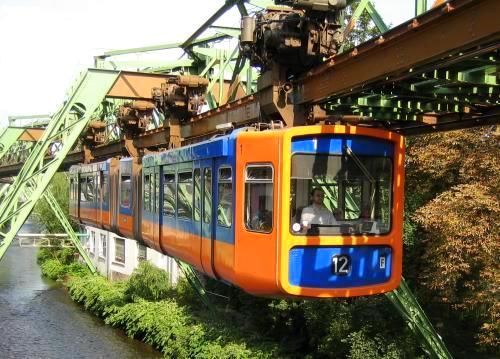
x,y
156,209
223,219
100,198
207,236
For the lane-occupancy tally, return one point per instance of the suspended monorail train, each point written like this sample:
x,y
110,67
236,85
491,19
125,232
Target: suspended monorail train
x,y
312,211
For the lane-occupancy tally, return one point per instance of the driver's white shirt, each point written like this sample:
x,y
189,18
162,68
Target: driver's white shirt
x,y
317,214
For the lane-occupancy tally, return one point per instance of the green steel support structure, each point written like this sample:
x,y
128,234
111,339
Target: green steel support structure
x,y
195,282
35,175
7,139
420,7
407,305
61,216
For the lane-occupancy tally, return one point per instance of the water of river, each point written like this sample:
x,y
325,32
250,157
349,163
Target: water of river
x,y
39,320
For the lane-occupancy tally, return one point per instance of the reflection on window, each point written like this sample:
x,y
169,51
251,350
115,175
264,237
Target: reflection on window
x,y
147,193
355,191
90,189
185,195
259,198
169,194
83,189
225,199
125,191
105,187
119,250
197,194
103,246
156,192
207,193
142,253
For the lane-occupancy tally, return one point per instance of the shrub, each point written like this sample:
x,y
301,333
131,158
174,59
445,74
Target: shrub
x,y
53,269
168,327
97,294
148,282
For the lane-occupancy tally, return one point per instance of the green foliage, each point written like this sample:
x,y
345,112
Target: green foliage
x,y
364,30
97,294
148,282
43,213
53,269
170,328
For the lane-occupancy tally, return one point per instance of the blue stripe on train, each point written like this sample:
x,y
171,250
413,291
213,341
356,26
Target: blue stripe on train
x,y
334,145
312,266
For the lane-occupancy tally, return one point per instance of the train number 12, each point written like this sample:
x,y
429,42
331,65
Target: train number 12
x,y
341,264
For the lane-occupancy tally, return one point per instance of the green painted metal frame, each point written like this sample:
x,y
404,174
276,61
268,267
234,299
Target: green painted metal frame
x,y
420,7
7,139
195,282
61,216
407,305
67,126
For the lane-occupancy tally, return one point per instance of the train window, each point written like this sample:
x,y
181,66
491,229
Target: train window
x,y
225,199
197,194
71,188
152,193
185,195
125,191
259,198
105,187
157,192
207,193
169,194
90,189
146,193
98,188
340,194
83,189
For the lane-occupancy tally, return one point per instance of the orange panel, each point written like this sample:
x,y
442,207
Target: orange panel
x,y
255,253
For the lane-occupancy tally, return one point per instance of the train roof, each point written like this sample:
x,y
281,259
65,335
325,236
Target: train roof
x,y
215,147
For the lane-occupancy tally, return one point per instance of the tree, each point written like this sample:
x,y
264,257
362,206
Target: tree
x,y
456,176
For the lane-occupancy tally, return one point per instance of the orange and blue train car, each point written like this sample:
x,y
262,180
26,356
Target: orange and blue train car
x,y
313,211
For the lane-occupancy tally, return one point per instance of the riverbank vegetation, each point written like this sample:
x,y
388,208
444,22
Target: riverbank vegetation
x,y
451,262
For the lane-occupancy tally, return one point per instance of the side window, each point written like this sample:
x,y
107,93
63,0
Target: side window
x,y
225,198
97,179
105,187
185,195
90,189
125,191
83,189
146,193
197,194
142,253
157,192
71,188
169,194
207,193
119,250
259,198
102,246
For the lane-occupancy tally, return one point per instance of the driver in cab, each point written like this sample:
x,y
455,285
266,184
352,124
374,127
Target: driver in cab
x,y
316,213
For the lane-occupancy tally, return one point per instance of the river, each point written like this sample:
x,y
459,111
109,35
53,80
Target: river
x,y
38,319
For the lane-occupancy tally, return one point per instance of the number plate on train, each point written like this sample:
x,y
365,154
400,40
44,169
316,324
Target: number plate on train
x,y
341,264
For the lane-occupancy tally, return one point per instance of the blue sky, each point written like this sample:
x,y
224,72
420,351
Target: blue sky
x,y
46,43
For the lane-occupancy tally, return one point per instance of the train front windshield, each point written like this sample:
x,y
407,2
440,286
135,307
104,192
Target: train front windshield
x,y
343,194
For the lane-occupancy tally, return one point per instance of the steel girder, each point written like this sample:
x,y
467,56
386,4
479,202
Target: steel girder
x,y
36,174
